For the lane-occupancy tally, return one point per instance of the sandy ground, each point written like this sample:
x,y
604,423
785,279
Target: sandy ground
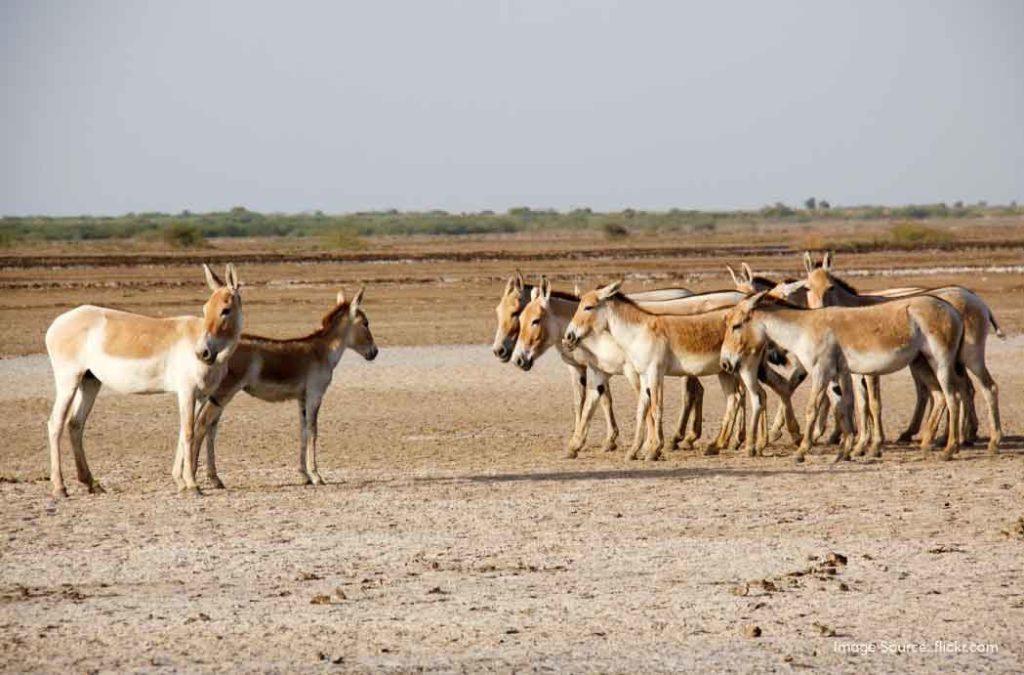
x,y
453,536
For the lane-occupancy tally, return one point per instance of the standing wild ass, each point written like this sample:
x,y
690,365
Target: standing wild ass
x,y
514,299
543,322
299,369
667,344
134,354
825,289
922,332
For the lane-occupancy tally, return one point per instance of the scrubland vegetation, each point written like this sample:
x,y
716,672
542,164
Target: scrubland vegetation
x,y
188,229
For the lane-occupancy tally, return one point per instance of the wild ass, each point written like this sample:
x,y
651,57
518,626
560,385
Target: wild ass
x,y
133,354
543,322
514,298
922,332
826,289
666,344
297,369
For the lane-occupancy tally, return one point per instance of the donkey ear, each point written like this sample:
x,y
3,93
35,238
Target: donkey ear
x,y
576,289
826,262
535,293
519,280
232,276
808,263
732,273
545,288
609,290
340,298
212,280
747,272
356,301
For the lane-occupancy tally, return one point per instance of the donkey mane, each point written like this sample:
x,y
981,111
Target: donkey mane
x,y
782,303
758,279
326,323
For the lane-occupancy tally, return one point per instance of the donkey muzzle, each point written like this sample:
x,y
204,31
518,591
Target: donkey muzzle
x,y
523,361
207,355
372,354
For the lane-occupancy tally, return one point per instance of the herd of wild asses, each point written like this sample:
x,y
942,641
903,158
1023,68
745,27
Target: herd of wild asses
x,y
817,326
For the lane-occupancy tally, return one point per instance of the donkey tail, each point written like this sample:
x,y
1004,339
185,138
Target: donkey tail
x,y
999,331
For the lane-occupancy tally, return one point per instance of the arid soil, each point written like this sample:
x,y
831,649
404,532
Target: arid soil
x,y
453,536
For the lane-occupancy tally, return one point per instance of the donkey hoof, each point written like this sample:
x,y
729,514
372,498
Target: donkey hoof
x,y
609,447
712,451
905,438
571,454
318,479
216,483
993,447
653,455
60,493
192,491
800,458
95,488
631,455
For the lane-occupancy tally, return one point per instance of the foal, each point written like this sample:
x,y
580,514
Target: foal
x,y
299,369
921,332
134,354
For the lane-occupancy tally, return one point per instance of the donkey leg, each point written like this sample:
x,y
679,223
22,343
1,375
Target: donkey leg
x,y
66,384
990,392
303,442
643,406
604,392
815,401
187,411
655,435
84,399
922,399
756,395
875,407
951,393
312,419
784,391
689,385
860,415
594,393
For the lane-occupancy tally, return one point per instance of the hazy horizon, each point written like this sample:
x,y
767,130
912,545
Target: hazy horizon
x,y
116,106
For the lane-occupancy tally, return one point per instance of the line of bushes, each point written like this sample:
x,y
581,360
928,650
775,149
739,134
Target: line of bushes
x,y
190,229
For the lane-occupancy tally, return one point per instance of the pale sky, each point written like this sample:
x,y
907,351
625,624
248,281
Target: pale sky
x,y
118,106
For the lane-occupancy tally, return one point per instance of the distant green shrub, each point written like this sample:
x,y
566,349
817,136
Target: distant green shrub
x,y
183,235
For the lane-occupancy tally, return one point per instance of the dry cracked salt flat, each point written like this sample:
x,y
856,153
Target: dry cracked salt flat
x,y
453,537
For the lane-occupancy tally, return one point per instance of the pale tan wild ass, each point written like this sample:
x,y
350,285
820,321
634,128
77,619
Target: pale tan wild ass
x,y
826,289
659,345
513,301
543,322
922,332
297,369
132,354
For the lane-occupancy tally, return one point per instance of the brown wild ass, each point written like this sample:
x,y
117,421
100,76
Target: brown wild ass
x,y
826,289
133,354
514,298
543,322
922,332
298,369
667,344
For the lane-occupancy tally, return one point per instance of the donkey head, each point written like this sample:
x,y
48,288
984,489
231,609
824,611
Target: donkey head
x,y
533,338
820,282
359,336
222,317
512,302
591,315
744,338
